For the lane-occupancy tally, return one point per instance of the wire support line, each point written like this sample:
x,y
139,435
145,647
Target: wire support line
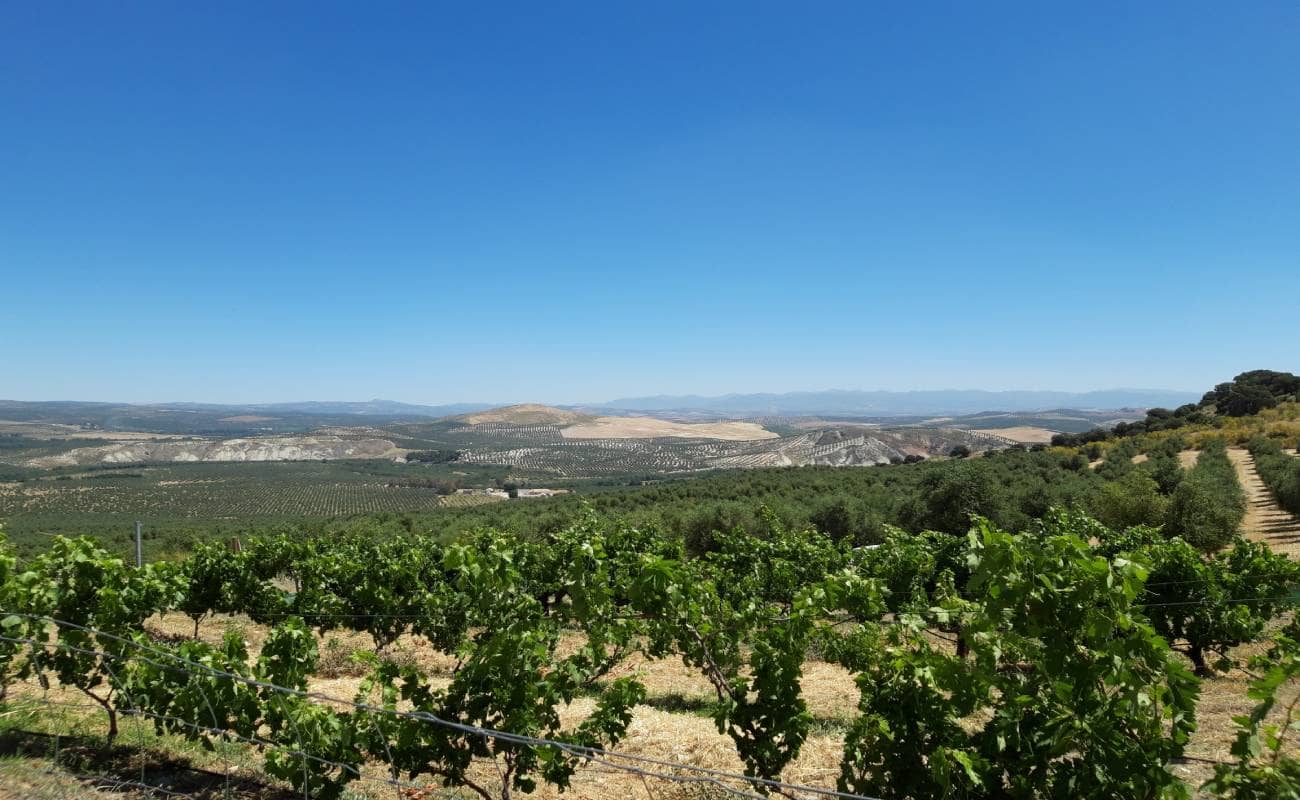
x,y
772,620
1212,580
132,711
1231,600
599,768
581,751
605,766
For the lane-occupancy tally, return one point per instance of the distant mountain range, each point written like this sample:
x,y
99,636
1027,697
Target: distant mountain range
x,y
373,408
20,409
884,403
204,418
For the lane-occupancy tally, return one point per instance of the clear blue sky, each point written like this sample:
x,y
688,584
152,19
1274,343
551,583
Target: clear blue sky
x,y
580,201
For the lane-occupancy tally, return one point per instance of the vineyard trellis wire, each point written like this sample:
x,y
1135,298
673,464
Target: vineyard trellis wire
x,y
640,766
1285,599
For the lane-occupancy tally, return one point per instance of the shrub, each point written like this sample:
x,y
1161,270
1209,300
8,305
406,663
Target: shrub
x,y
952,496
1135,499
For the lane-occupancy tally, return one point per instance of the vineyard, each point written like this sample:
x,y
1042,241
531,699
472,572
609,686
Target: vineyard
x,y
1066,660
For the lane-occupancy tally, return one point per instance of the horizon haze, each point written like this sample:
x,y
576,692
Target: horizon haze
x,y
808,403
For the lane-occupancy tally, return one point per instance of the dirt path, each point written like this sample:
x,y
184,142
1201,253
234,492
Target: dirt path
x,y
1265,520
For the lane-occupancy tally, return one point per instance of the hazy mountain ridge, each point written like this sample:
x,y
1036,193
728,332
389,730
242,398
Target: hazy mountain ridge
x,y
377,407
868,403
262,418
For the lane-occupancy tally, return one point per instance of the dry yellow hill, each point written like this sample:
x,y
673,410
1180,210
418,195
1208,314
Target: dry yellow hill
x,y
524,414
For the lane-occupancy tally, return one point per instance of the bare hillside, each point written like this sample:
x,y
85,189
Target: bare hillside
x,y
549,449
278,448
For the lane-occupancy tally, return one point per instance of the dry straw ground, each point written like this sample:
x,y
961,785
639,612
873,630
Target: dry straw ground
x,y
1265,520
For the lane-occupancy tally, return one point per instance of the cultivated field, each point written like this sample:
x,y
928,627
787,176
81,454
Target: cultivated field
x,y
228,492
1025,434
652,428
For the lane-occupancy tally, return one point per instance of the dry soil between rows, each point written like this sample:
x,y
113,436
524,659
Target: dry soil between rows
x,y
1265,520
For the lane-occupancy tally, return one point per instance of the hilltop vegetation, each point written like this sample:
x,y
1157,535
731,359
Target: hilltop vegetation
x,y
1233,407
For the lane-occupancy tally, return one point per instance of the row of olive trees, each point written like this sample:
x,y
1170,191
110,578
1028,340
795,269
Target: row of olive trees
x,y
1208,506
1203,506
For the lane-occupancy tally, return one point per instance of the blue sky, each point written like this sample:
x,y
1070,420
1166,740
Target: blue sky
x,y
580,201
